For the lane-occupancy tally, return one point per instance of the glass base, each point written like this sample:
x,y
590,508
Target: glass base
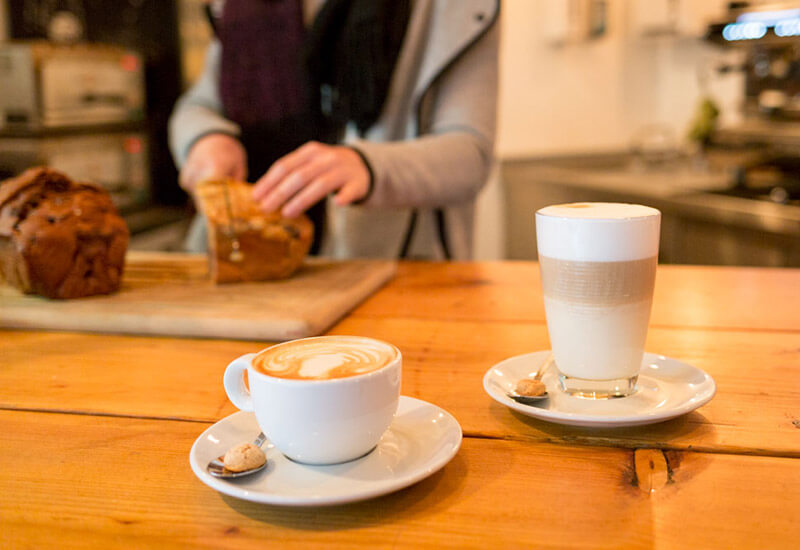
x,y
597,389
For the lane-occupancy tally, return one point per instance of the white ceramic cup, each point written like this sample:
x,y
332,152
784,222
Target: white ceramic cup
x,y
320,421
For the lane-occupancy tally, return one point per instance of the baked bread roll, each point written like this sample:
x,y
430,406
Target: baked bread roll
x,y
58,238
244,243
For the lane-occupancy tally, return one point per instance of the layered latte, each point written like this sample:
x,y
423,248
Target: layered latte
x,y
598,263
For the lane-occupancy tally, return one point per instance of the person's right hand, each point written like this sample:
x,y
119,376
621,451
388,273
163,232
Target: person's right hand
x,y
213,156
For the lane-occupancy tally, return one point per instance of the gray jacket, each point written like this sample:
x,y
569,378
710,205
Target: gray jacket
x,y
430,150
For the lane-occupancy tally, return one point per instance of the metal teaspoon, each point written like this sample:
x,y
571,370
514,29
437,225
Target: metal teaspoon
x,y
533,399
217,468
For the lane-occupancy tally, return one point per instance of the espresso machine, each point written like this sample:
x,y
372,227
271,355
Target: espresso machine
x,y
767,140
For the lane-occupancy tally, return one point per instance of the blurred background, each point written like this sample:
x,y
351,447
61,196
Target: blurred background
x,y
692,107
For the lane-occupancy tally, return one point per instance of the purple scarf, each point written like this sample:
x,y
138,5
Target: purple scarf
x,y
262,80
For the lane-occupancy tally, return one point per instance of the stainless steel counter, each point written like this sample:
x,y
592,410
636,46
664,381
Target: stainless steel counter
x,y
699,225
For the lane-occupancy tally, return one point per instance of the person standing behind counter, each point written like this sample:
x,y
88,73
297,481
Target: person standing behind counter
x,y
390,109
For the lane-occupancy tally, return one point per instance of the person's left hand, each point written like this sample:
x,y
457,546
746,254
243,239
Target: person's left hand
x,y
296,181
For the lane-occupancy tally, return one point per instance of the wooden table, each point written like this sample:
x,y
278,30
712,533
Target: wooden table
x,y
96,430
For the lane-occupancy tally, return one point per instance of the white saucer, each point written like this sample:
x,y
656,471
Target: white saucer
x,y
666,388
420,441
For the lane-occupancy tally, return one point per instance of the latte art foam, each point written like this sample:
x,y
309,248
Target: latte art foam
x,y
324,358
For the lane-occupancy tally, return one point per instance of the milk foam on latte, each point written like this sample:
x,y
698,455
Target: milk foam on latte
x,y
598,264
324,358
598,231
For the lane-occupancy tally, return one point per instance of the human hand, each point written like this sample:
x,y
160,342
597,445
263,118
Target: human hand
x,y
213,156
297,181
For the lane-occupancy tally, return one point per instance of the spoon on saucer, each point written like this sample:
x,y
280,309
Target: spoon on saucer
x,y
533,399
217,467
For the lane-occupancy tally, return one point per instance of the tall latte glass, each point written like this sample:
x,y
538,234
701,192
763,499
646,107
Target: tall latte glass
x,y
598,264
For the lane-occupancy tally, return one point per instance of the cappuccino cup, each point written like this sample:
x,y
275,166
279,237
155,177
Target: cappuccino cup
x,y
321,400
598,265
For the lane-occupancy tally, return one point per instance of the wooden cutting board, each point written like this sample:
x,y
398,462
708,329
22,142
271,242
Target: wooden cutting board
x,y
170,294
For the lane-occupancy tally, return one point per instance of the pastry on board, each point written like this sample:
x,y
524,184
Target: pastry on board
x,y
59,238
244,243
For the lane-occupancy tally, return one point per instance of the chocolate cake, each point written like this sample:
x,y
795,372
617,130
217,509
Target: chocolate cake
x,y
245,244
59,238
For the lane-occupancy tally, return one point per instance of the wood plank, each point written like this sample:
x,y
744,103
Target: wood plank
x,y
754,411
79,482
165,295
685,296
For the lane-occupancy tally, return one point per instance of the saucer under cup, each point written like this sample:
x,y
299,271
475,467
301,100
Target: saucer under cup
x,y
666,388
